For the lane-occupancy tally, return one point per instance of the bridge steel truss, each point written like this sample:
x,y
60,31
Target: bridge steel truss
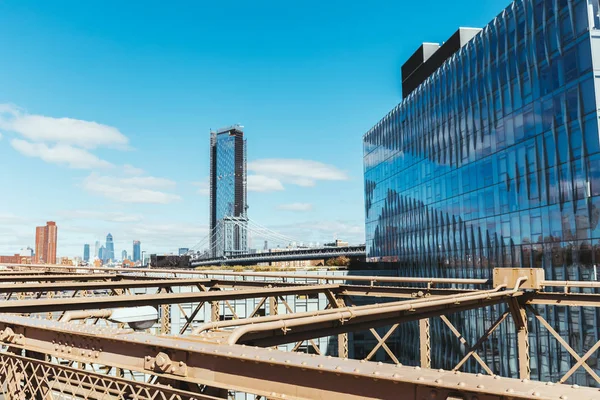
x,y
283,255
47,357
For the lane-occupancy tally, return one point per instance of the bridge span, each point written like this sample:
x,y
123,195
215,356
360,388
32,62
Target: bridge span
x,y
284,255
62,340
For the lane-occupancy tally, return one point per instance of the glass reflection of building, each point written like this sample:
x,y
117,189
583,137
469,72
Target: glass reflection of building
x,y
228,217
493,160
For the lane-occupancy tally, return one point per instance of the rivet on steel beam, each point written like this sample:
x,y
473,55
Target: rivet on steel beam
x,y
417,368
375,372
320,366
438,381
338,368
478,375
480,386
509,390
563,397
271,359
525,380
362,361
356,370
461,384
549,383
420,378
575,386
535,394
497,377
379,363
441,370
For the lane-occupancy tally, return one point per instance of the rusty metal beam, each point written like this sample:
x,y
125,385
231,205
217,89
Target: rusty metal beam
x,y
264,372
68,382
60,277
280,275
359,318
120,284
88,303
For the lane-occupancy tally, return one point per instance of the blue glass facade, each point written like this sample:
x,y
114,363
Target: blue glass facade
x,y
228,191
137,251
494,161
86,252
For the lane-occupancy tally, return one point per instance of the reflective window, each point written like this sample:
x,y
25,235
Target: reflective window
x,y
495,161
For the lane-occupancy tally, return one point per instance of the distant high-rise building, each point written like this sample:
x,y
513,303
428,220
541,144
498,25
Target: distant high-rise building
x,y
27,252
228,219
45,243
137,251
86,252
183,251
97,249
102,253
110,248
266,245
124,255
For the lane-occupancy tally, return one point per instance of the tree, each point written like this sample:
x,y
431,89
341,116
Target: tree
x,y
341,261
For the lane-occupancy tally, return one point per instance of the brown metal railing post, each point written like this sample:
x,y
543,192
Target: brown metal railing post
x,y
214,311
519,316
425,343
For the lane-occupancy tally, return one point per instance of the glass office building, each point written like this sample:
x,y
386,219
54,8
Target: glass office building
x,y
228,207
493,160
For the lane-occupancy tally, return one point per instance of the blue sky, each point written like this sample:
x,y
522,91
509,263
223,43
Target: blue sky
x,y
106,107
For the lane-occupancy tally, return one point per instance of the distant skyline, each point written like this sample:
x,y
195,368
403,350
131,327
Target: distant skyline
x,y
106,108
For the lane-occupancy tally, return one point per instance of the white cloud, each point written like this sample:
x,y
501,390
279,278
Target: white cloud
x,y
39,128
296,171
296,207
107,216
130,190
0,136
261,183
74,157
203,187
131,170
147,181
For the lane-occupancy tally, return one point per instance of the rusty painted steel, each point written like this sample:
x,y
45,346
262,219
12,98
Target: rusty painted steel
x,y
89,303
29,378
354,319
280,275
120,284
266,372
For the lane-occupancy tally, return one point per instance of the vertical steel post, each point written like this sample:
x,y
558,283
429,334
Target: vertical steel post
x,y
273,305
214,311
343,337
425,343
519,316
165,319
523,345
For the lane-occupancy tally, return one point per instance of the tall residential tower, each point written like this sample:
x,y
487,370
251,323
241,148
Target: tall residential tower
x,y
110,248
86,252
45,243
137,251
228,208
